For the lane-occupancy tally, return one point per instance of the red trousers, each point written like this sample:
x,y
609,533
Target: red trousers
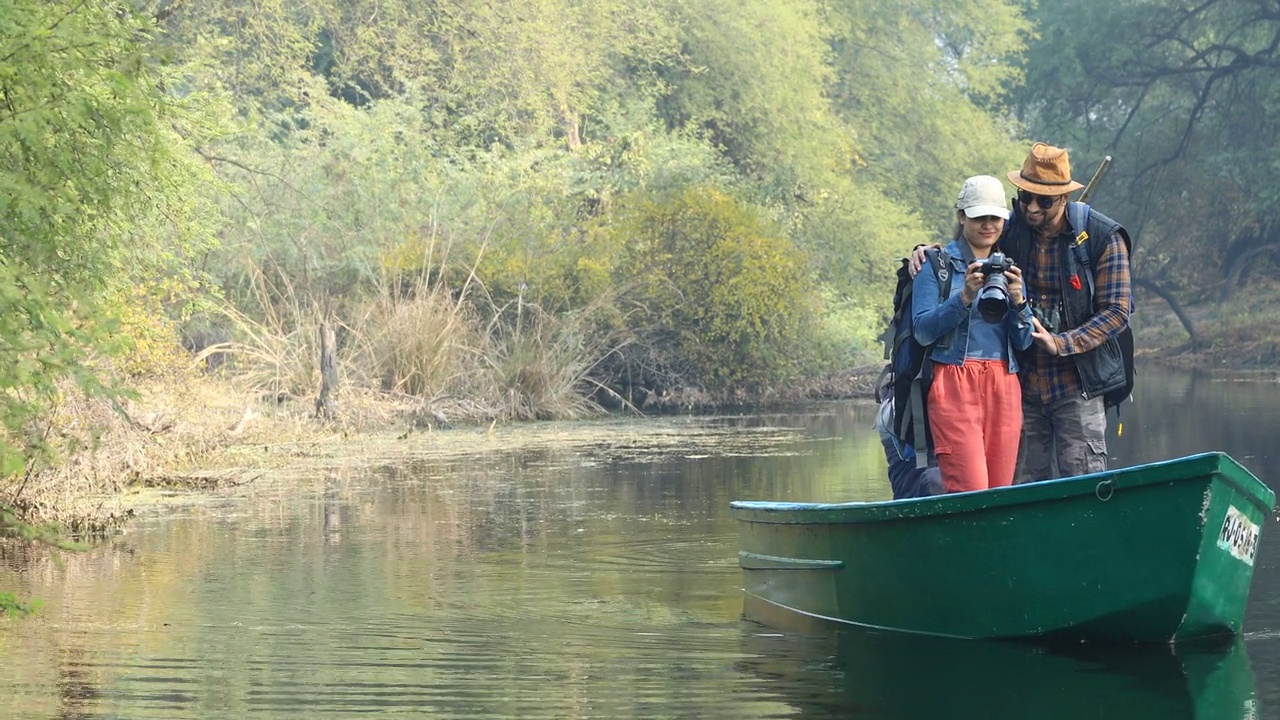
x,y
975,415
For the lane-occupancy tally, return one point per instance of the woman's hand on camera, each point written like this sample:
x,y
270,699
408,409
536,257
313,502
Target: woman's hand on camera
x,y
1014,276
973,280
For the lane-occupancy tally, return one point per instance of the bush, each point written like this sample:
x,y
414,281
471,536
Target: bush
x,y
541,364
722,298
421,341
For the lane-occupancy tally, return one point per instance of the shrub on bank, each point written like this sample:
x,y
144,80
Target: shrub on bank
x,y
716,295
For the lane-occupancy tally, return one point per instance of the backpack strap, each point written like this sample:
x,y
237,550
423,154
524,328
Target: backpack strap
x,y
940,261
1078,216
1083,251
920,388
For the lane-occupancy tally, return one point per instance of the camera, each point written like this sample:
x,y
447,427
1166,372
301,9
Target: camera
x,y
993,296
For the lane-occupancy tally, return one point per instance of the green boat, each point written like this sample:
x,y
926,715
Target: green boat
x,y
1156,553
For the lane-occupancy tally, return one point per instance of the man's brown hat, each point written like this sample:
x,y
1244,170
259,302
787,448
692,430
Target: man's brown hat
x,y
1046,171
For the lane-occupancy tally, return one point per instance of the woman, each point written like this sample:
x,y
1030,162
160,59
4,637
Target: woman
x,y
975,401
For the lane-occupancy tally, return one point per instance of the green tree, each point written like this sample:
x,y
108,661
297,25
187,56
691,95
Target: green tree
x,y
721,296
97,192
752,78
507,133
1185,99
923,84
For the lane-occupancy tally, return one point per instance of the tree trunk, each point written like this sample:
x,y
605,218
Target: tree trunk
x,y
326,403
1235,274
571,123
1174,305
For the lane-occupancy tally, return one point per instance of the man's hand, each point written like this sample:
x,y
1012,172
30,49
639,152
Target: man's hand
x,y
1043,337
917,258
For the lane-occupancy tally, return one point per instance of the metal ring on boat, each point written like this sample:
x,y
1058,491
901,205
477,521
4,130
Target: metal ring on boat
x,y
1110,490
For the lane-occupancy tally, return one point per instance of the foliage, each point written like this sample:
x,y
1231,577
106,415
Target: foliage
x,y
95,191
314,207
388,136
923,87
722,299
152,343
561,70
1184,98
753,77
854,235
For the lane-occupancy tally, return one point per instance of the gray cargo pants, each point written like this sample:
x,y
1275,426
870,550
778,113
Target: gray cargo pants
x,y
1070,434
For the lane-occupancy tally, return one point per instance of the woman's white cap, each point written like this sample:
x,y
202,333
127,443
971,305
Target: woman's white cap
x,y
982,195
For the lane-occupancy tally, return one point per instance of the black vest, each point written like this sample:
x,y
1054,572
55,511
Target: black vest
x,y
1102,369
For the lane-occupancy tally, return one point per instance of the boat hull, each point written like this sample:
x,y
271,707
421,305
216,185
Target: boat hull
x,y
1155,553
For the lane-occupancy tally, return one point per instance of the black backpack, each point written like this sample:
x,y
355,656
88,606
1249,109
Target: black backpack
x,y
1078,216
907,375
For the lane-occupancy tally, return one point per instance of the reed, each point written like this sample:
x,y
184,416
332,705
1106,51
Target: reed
x,y
418,340
540,365
420,346
414,351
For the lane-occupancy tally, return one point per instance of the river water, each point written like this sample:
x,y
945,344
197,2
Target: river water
x,y
576,570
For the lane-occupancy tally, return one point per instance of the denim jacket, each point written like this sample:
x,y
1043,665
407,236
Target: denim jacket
x,y
932,320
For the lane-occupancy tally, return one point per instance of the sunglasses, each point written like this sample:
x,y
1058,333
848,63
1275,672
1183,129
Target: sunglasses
x,y
1045,202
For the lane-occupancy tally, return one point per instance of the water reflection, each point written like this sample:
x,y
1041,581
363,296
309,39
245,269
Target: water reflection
x,y
574,570
853,673
1176,413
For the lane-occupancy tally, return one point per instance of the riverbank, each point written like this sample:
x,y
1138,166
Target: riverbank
x,y
187,431
1240,336
195,432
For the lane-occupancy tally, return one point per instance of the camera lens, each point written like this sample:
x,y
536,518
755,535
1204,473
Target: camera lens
x,y
993,297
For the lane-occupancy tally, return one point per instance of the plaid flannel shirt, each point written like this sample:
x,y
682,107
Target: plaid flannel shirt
x,y
1051,378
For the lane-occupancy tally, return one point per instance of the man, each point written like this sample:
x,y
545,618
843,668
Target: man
x,y
1075,357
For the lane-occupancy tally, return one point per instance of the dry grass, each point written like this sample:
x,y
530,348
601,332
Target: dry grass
x,y
419,342
429,352
103,448
415,354
274,351
539,365
184,432
192,430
